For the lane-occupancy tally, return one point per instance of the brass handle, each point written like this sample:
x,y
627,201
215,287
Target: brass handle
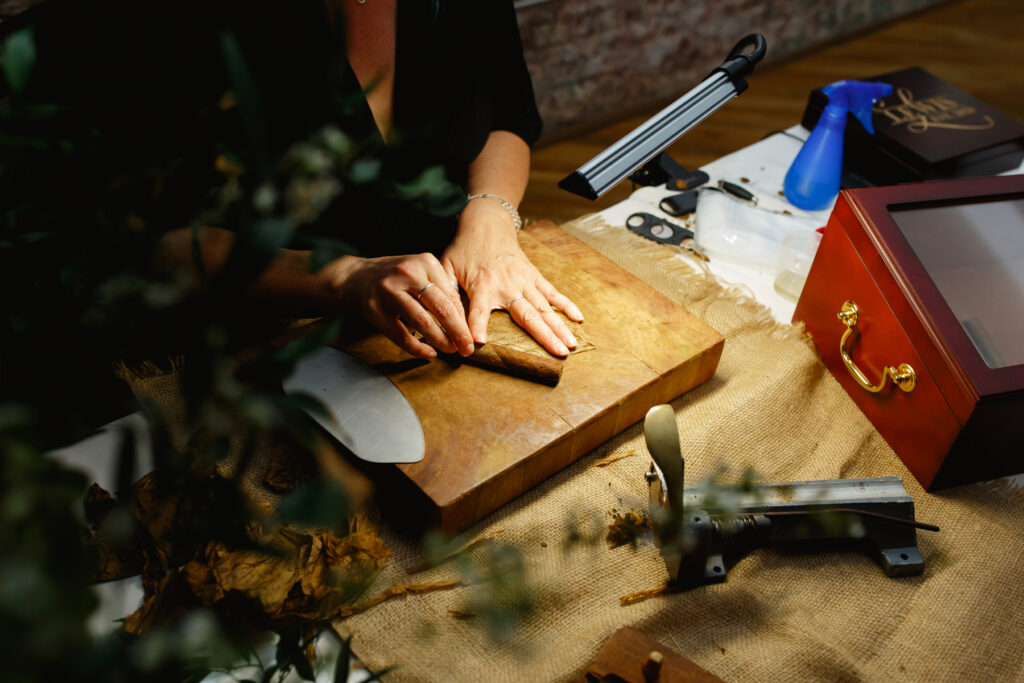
x,y
904,376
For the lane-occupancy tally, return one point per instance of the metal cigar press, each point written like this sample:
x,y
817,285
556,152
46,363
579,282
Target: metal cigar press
x,y
703,530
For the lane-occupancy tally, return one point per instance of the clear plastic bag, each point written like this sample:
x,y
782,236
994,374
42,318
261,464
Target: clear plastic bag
x,y
737,232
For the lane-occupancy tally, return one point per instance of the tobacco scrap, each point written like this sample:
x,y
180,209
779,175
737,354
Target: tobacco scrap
x,y
431,563
627,527
640,596
609,459
394,592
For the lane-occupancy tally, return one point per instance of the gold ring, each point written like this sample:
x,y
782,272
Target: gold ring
x,y
509,307
423,291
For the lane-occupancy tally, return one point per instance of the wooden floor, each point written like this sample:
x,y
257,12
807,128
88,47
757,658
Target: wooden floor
x,y
977,45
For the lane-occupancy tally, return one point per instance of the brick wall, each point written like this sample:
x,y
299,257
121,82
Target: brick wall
x,y
594,61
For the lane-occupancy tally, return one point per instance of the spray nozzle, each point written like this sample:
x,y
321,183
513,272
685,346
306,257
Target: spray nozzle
x,y
813,179
856,97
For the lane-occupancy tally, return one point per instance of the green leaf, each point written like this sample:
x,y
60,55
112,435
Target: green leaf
x,y
325,250
430,181
126,464
322,503
343,666
298,403
197,253
249,102
259,243
289,654
19,53
433,192
305,345
303,667
364,171
374,677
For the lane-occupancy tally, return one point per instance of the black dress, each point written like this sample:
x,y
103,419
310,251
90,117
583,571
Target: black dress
x,y
458,76
141,78
135,119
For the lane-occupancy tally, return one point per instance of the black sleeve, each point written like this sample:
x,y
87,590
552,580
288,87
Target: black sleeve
x,y
514,106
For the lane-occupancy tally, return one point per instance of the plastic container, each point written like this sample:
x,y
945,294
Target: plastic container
x,y
796,253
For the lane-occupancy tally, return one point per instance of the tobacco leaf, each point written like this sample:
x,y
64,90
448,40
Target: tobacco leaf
x,y
503,331
295,573
143,533
273,573
98,504
171,599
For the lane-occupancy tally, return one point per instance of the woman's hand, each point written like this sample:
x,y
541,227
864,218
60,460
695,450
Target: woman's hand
x,y
400,295
485,258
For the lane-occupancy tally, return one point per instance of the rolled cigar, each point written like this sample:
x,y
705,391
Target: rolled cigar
x,y
532,366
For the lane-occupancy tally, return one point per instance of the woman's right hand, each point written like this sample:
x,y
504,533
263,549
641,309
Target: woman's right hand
x,y
400,295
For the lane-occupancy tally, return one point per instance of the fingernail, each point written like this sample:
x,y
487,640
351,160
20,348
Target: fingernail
x,y
481,339
562,351
572,342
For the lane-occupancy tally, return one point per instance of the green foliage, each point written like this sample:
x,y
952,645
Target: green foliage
x,y
319,504
117,128
19,55
433,191
44,594
86,196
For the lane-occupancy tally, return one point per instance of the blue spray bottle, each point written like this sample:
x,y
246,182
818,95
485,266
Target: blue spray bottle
x,y
813,179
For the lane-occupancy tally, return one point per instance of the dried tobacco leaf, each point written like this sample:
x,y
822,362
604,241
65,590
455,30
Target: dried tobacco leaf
x,y
98,504
144,534
296,574
169,600
271,574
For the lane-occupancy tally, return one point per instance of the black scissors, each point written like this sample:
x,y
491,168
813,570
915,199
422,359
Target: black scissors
x,y
657,229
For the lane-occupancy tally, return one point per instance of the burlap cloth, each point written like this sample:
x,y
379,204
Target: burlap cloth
x,y
831,616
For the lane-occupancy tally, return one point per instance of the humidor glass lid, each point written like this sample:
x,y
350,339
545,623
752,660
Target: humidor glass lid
x,y
974,253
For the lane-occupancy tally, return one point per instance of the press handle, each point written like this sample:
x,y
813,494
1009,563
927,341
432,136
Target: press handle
x,y
903,376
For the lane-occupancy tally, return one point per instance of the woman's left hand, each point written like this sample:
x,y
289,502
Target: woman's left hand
x,y
487,261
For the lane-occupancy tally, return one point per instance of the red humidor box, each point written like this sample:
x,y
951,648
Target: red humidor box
x,y
935,273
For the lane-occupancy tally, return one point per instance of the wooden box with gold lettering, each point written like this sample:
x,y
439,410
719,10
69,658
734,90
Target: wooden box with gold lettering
x,y
915,301
927,129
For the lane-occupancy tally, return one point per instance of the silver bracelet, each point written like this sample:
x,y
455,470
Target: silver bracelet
x,y
504,202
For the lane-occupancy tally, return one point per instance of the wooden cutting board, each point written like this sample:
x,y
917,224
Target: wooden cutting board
x,y
490,437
